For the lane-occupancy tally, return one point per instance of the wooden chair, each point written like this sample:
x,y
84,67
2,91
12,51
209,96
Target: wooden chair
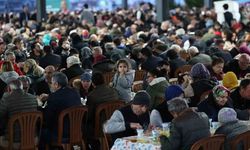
x,y
137,86
173,81
241,140
215,142
183,69
72,79
108,76
139,75
103,113
77,115
28,123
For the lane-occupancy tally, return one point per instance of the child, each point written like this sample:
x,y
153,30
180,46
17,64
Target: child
x,y
123,80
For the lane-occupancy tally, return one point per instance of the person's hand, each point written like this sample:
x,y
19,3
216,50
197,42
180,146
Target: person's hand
x,y
43,97
135,126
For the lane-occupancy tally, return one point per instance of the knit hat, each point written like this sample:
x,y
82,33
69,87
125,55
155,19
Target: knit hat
x,y
86,76
219,90
230,80
173,91
141,98
199,71
72,60
226,115
244,49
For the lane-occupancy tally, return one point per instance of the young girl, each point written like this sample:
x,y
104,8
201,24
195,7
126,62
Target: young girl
x,y
123,80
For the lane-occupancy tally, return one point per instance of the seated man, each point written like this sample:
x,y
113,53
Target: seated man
x,y
186,128
100,94
230,125
239,66
15,101
126,120
62,98
161,114
241,99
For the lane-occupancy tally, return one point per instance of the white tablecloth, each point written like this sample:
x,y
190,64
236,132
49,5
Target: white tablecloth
x,y
130,143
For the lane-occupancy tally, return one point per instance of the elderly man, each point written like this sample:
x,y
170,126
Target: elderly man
x,y
186,128
44,86
17,100
240,67
126,120
197,57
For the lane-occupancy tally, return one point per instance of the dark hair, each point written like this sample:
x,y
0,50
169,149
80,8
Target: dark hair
x,y
146,51
163,62
97,78
117,41
217,60
73,51
244,83
123,61
86,6
225,6
172,54
228,33
155,72
47,49
17,39
60,78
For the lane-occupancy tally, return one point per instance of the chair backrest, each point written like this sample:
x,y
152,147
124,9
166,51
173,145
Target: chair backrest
x,y
108,76
76,114
139,75
215,142
72,79
173,81
137,86
243,139
104,112
28,123
182,69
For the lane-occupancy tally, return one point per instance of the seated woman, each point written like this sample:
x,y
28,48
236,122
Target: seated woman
x,y
216,69
33,71
156,87
161,114
7,74
230,125
201,82
217,99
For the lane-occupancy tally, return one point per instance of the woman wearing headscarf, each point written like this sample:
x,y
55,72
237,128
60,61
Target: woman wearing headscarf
x,y
217,99
201,82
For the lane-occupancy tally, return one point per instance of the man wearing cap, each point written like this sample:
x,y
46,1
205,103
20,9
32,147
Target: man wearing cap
x,y
126,120
230,125
161,114
73,67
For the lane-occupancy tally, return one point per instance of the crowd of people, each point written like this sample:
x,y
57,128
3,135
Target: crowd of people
x,y
38,59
